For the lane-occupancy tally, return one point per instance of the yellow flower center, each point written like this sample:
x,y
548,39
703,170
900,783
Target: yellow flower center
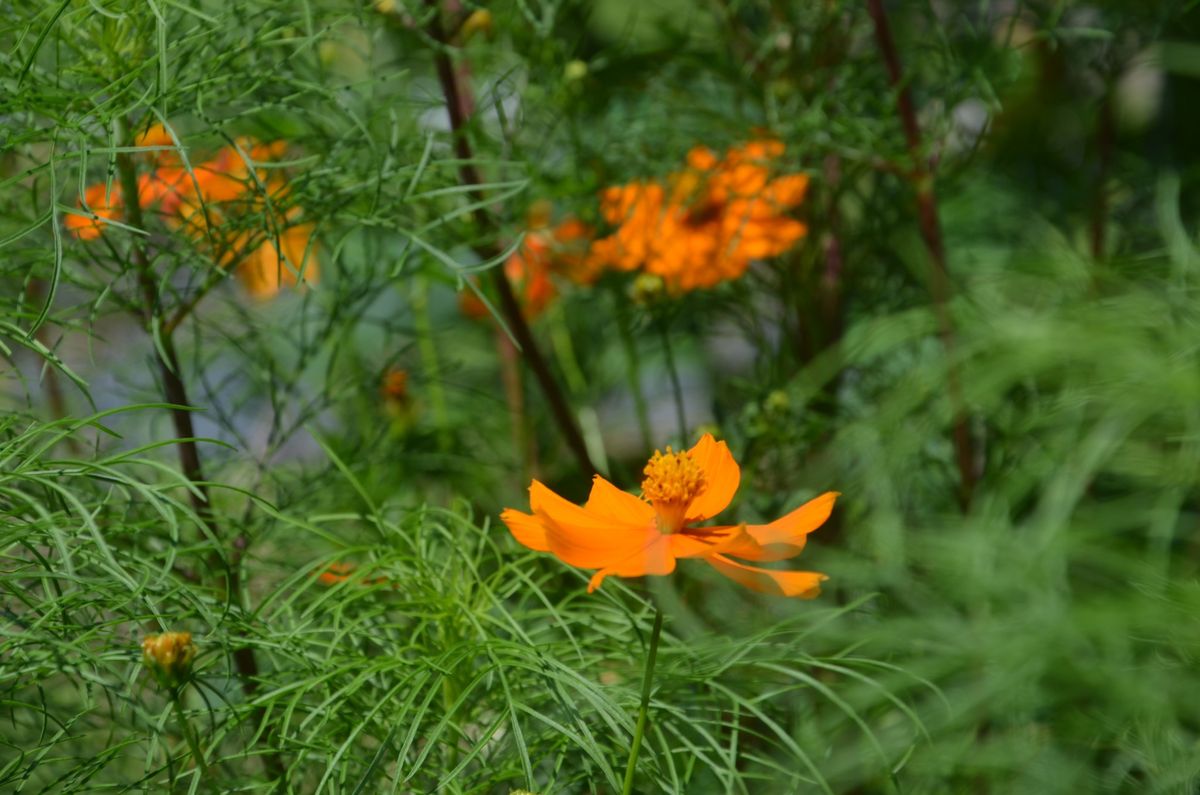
x,y
672,481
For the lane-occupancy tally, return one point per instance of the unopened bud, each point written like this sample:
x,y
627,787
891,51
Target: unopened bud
x,y
479,22
647,289
575,70
169,657
777,402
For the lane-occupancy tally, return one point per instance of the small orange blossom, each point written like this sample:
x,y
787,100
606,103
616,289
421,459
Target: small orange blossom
x,y
207,203
628,536
545,250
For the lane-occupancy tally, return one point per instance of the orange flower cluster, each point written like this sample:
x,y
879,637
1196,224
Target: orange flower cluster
x,y
545,250
628,536
210,205
705,224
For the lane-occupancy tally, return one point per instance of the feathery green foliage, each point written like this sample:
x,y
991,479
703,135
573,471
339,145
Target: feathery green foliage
x,y
985,342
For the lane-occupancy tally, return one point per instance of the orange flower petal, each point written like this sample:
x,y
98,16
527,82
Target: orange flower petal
x,y
782,539
785,537
275,264
721,474
653,558
156,135
802,584
704,541
607,500
527,529
786,191
701,158
101,200
584,538
335,573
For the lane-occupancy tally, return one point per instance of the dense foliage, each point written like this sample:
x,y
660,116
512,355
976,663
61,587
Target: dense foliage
x,y
297,298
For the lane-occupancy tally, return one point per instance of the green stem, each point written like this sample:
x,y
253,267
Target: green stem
x,y
676,386
564,349
644,707
632,371
189,734
429,360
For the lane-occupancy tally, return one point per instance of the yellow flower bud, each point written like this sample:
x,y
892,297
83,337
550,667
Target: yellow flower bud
x,y
777,402
169,657
647,289
575,70
479,22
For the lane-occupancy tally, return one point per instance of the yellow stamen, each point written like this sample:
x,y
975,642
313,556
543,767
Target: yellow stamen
x,y
672,481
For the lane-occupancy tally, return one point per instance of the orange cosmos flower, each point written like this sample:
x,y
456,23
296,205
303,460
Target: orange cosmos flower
x,y
278,263
167,179
207,203
105,202
543,251
628,536
706,223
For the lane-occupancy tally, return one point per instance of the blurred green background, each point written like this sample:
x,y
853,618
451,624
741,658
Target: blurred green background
x,y
1010,408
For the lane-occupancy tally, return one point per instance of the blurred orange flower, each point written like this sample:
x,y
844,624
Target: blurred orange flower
x,y
398,403
208,204
545,250
705,224
395,385
105,202
336,573
628,536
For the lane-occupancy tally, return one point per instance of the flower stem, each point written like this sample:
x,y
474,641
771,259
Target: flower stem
x,y
644,707
429,359
676,385
189,734
922,179
459,105
226,567
633,371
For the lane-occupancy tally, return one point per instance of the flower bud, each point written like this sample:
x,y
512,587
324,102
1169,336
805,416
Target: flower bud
x,y
647,289
169,657
777,402
479,21
575,70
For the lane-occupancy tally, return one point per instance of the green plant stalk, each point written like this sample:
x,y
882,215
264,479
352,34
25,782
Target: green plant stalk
x,y
564,350
644,707
429,360
928,221
676,385
189,454
632,370
458,107
189,733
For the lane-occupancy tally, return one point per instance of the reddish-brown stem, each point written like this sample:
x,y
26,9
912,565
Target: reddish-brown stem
x,y
831,275
921,177
185,434
458,106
